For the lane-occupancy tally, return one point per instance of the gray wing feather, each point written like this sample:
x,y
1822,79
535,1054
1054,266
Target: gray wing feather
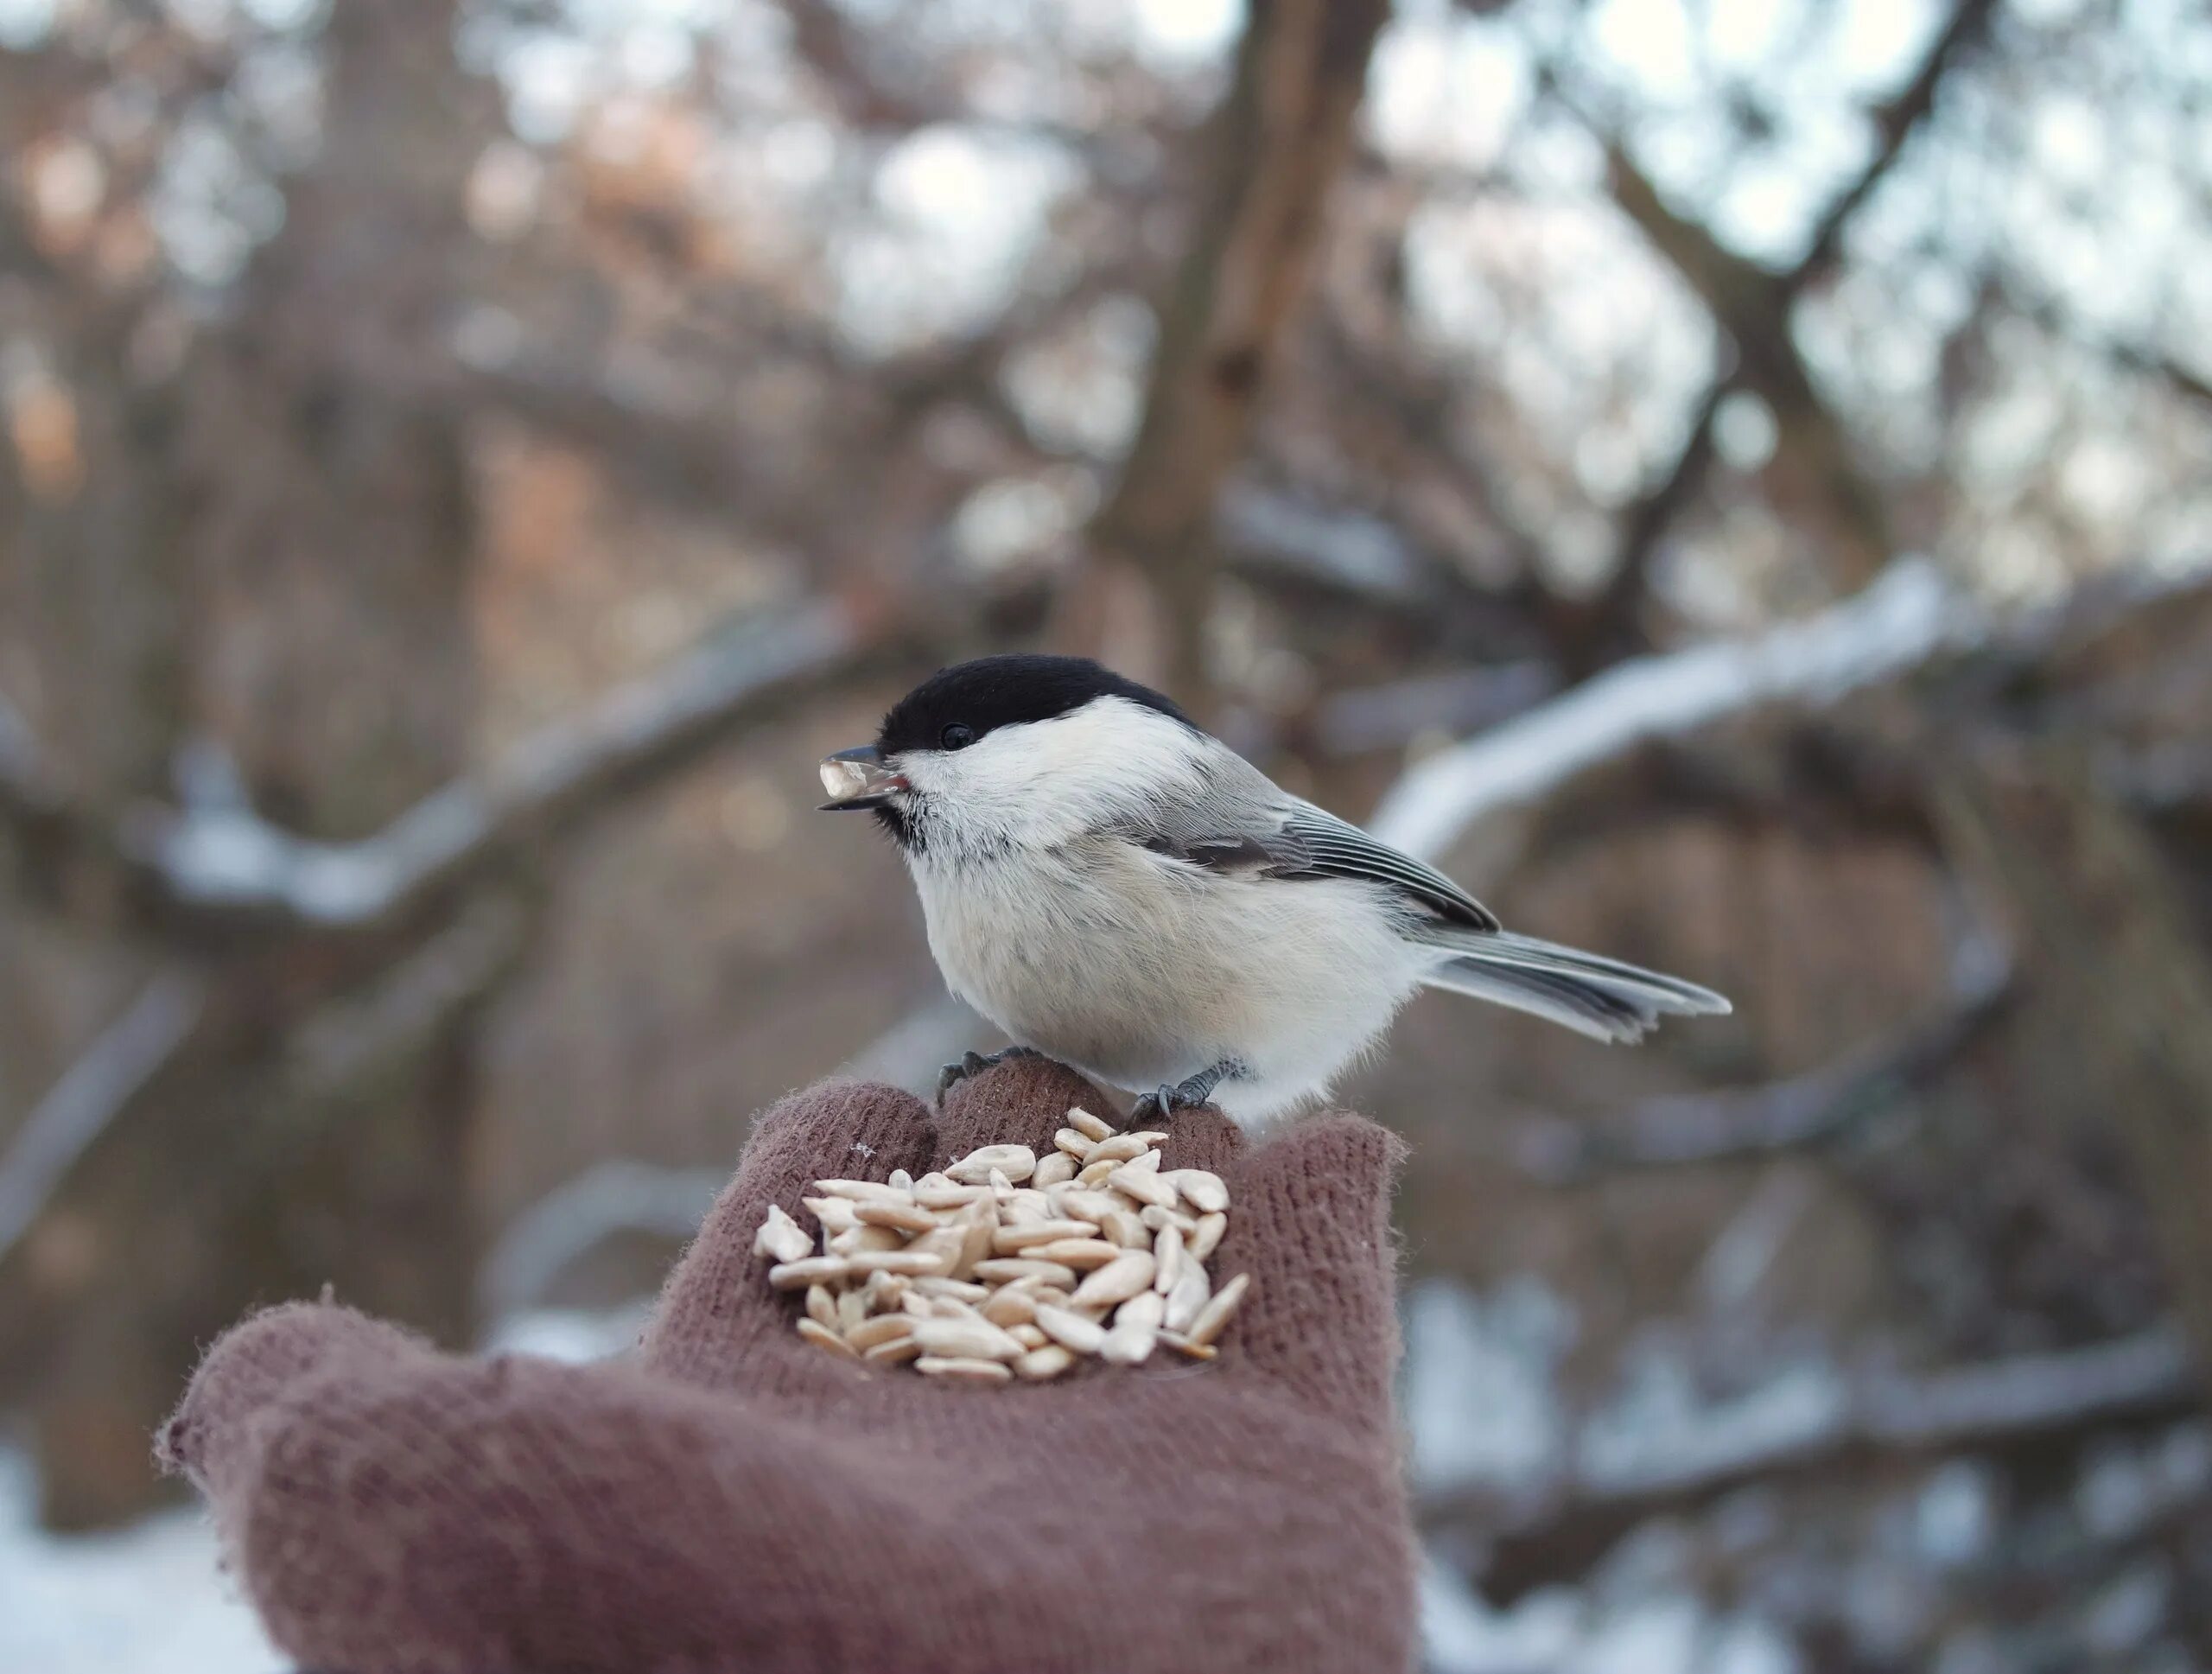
x,y
1249,827
1338,849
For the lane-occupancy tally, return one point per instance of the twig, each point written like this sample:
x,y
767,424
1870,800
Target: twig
x,y
1779,1116
408,1006
2048,317
1895,122
619,1195
1752,305
1275,148
1608,627
91,1095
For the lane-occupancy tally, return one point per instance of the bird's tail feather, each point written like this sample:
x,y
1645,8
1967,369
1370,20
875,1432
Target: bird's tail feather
x,y
1605,999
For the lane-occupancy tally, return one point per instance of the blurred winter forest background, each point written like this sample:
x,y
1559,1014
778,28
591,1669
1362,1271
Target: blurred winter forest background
x,y
1732,480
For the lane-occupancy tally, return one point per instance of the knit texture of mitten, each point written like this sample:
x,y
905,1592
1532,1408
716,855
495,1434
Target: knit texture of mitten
x,y
733,1498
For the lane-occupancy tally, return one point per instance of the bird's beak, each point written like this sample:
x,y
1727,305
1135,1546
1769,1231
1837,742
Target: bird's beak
x,y
858,778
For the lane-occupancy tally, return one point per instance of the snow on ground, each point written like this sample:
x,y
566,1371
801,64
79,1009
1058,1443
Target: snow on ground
x,y
153,1599
147,1600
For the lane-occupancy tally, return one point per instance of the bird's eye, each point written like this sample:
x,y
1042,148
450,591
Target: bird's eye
x,y
956,737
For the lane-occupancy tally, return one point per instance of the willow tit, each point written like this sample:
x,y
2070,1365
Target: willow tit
x,y
1111,885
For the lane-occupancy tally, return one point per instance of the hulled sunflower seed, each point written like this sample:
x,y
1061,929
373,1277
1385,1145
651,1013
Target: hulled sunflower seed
x,y
1188,1295
1005,1269
975,1234
960,1371
1094,1174
781,1238
1121,1226
835,1214
821,1306
1008,1240
1207,1239
1076,1203
1119,1280
1029,1336
1168,1258
971,1339
1054,1169
957,1290
1082,1253
913,1262
905,1216
870,1191
1215,1315
1203,1190
1136,1329
892,1351
1017,1162
883,1328
1007,1307
936,1191
812,1269
854,1239
1075,1143
821,1335
1040,1364
1080,1333
1089,1125
1121,1147
947,1241
1142,1185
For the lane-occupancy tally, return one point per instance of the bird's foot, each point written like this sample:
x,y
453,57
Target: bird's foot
x,y
975,1063
1188,1094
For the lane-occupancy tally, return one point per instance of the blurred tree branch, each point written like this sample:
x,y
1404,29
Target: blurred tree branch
x,y
1803,1110
190,871
1877,1412
91,1095
1752,306
1273,150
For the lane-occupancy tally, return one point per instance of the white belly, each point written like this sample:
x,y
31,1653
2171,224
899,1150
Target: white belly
x,y
1140,971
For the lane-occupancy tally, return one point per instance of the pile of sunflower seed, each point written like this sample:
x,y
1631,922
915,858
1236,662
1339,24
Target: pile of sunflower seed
x,y
1009,1265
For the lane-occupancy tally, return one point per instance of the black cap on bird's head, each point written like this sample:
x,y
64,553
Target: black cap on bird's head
x,y
960,706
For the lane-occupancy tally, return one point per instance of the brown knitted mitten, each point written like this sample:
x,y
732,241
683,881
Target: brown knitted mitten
x,y
733,1498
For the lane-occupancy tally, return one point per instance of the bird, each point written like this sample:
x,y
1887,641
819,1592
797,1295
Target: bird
x,y
1114,886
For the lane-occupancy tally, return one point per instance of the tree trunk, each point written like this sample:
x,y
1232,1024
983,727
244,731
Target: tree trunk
x,y
1273,152
2111,928
325,523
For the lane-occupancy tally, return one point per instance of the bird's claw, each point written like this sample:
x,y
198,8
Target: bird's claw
x,y
975,1063
1192,1092
1162,1103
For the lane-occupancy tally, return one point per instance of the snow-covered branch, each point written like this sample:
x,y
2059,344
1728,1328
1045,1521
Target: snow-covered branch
x,y
226,861
1616,1474
1906,617
95,1090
